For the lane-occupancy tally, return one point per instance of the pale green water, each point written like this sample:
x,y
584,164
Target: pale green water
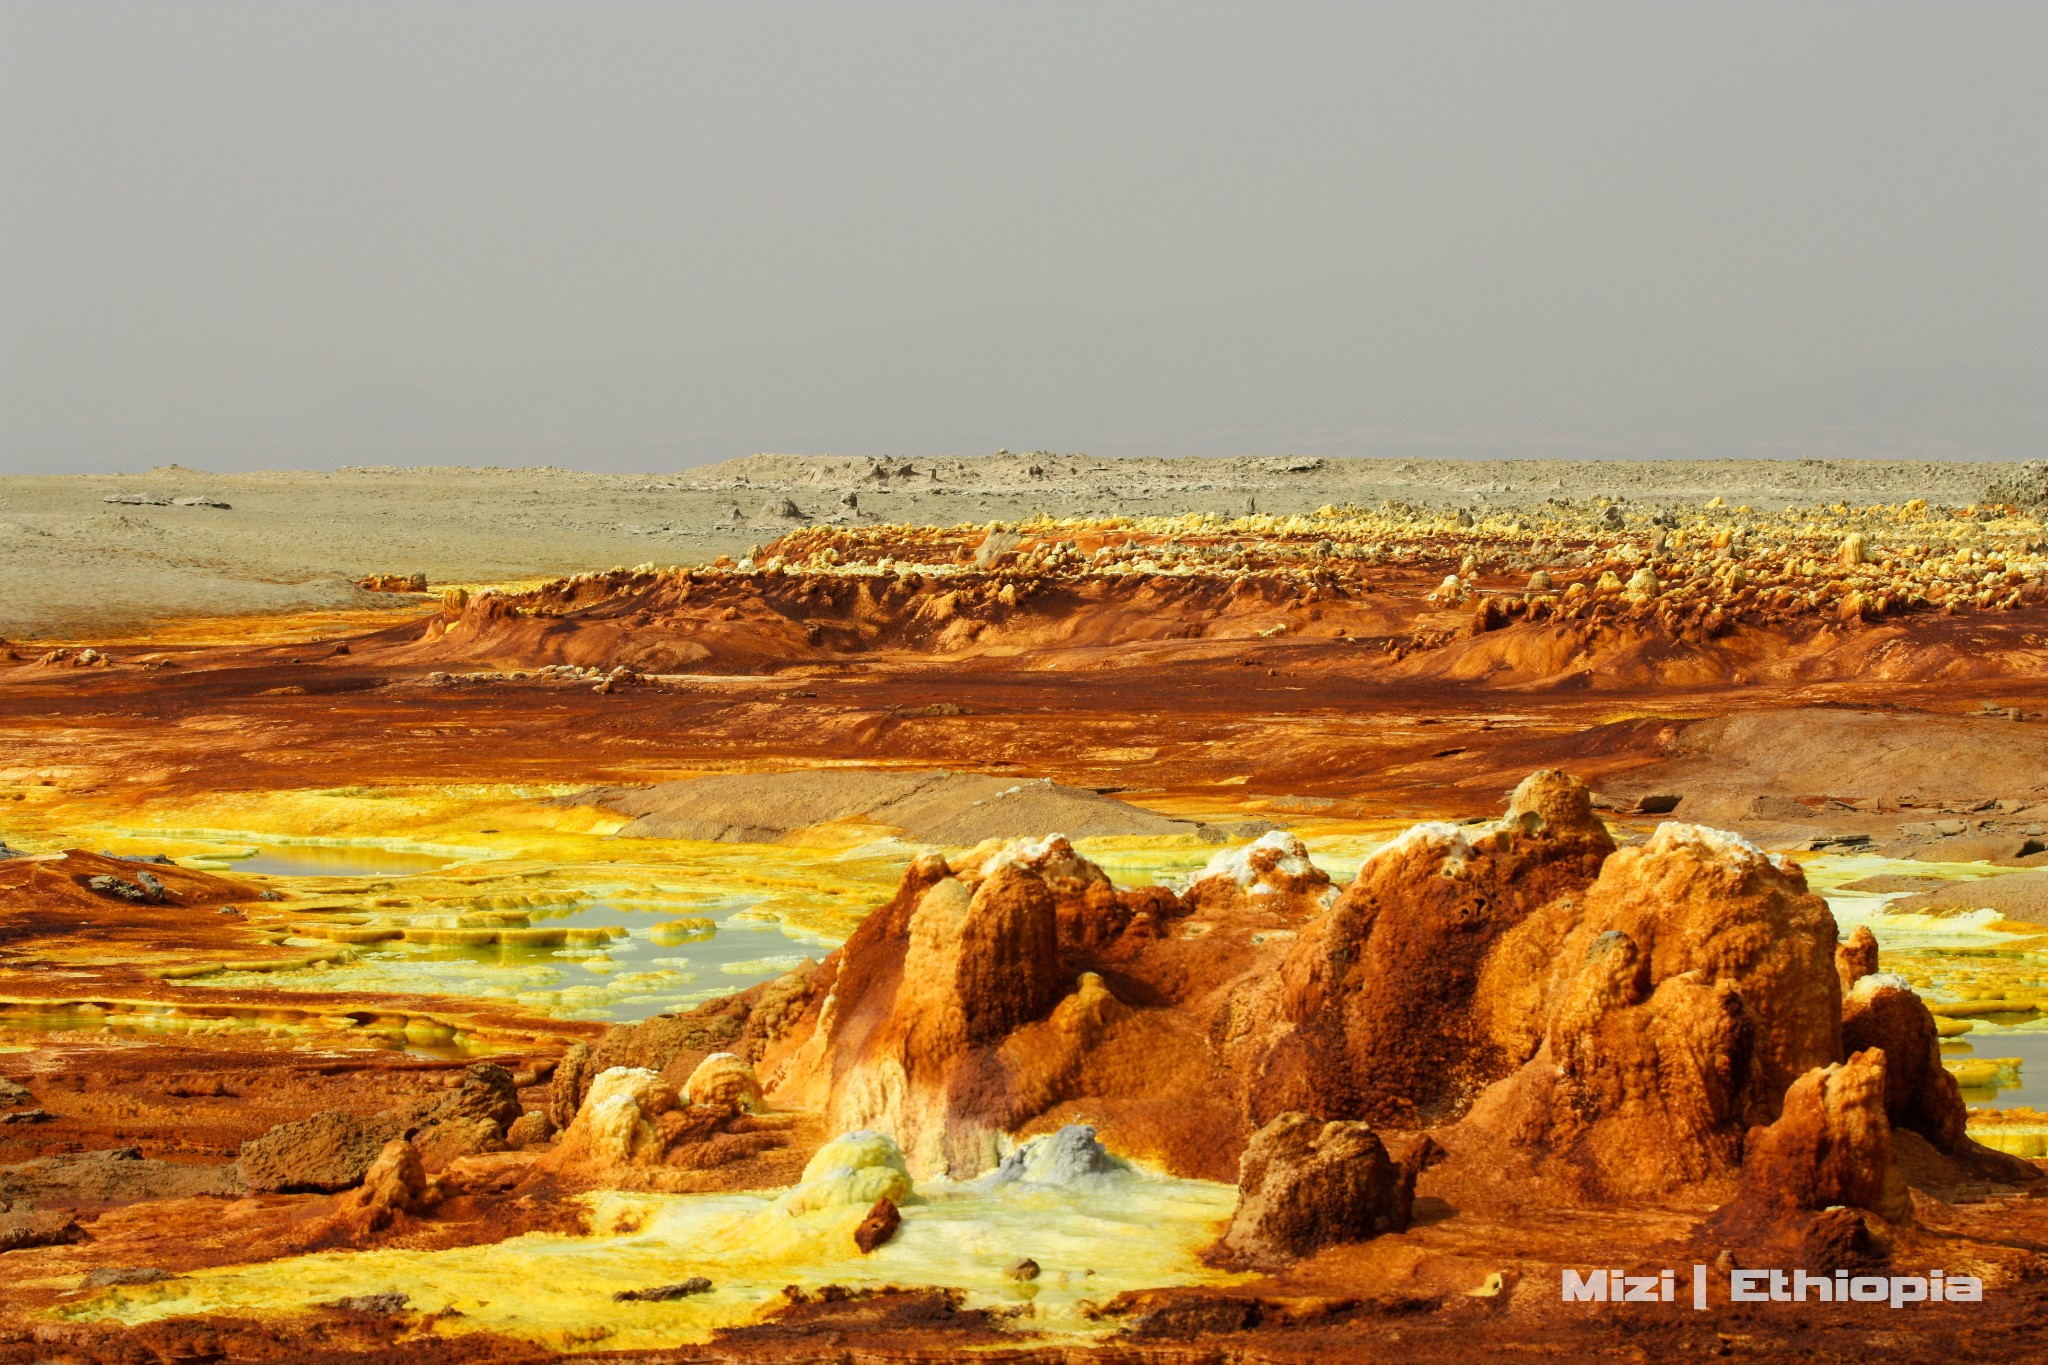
x,y
629,979
1966,942
319,860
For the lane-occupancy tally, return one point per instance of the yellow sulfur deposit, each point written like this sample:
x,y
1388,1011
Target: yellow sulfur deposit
x,y
2020,1131
1984,1073
1091,1241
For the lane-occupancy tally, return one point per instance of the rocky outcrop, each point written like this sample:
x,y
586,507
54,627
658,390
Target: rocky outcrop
x,y
740,1026
633,1119
1579,1023
22,1228
993,954
1676,996
1702,901
1636,1090
1830,1149
1855,957
1305,1184
1087,911
486,1094
572,1076
531,1129
723,1080
1379,1000
929,986
471,1118
118,1175
984,995
618,1123
395,1185
327,1152
1883,1014
1272,872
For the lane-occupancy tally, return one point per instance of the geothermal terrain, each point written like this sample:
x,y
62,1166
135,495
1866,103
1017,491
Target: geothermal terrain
x,y
1027,907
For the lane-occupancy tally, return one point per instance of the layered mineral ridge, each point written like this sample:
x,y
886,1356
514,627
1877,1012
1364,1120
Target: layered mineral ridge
x,y
1155,938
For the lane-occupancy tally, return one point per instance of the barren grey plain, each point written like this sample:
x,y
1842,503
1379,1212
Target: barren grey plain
x,y
88,557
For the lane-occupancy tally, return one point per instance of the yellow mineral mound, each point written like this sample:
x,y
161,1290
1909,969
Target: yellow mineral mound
x,y
723,1079
615,1126
852,1172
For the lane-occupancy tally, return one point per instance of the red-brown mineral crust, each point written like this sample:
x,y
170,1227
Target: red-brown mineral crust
x,y
1306,1184
879,1226
1806,1176
396,1184
1856,957
1376,1016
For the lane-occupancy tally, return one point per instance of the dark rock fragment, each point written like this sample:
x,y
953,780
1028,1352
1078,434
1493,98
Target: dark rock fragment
x,y
879,1226
664,1293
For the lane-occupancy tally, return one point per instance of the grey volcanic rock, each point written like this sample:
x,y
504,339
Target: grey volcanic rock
x,y
2025,486
1064,1158
664,1293
1749,768
298,540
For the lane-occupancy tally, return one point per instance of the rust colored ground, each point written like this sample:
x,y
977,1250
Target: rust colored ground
x,y
1147,700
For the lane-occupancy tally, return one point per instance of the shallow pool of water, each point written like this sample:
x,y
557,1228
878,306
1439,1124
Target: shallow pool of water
x,y
1956,956
25,1026
2028,1044
634,976
331,860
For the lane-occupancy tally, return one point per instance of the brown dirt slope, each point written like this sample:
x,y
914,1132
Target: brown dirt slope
x,y
2021,896
954,809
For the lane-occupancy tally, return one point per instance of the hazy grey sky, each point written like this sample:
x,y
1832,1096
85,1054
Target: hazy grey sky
x,y
644,235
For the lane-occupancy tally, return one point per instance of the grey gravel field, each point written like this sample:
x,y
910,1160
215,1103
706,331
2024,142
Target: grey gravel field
x,y
94,556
